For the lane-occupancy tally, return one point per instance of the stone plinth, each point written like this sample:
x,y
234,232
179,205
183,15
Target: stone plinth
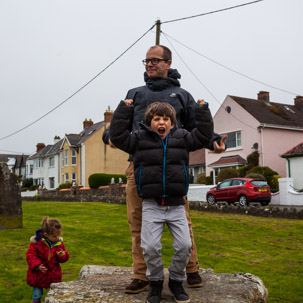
x,y
10,199
107,283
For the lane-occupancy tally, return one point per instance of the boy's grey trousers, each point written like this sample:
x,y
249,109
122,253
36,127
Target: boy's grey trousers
x,y
154,217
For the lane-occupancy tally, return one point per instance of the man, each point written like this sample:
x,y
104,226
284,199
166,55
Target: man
x,y
162,84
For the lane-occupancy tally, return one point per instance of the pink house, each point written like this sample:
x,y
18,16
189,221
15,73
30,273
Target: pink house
x,y
256,124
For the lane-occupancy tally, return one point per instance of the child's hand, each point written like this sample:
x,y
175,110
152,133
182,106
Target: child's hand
x,y
201,102
129,102
61,252
42,268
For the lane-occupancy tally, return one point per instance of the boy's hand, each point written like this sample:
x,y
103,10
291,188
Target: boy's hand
x,y
201,102
129,102
219,148
42,268
61,252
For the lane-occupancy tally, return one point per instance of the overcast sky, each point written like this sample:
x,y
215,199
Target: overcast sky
x,y
51,48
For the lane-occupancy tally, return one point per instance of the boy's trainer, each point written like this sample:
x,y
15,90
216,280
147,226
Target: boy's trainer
x,y
178,291
155,290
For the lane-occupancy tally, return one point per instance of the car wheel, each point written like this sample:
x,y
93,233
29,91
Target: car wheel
x,y
211,199
243,201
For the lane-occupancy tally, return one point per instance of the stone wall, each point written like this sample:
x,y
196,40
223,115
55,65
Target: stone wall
x,y
10,199
115,193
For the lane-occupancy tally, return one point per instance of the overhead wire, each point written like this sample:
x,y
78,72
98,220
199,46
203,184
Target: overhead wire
x,y
80,89
231,69
212,12
198,79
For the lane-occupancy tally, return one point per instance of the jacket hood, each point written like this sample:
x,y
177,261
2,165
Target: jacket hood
x,y
157,84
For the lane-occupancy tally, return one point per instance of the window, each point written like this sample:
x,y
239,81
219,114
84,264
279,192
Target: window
x,y
62,159
52,161
31,169
38,163
74,159
52,182
73,177
233,140
66,177
66,157
224,184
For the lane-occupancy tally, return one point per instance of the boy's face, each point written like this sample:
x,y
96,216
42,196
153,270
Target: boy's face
x,y
161,125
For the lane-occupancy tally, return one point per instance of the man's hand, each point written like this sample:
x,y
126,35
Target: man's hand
x,y
220,148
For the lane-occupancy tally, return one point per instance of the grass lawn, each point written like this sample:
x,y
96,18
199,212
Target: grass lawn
x,y
98,234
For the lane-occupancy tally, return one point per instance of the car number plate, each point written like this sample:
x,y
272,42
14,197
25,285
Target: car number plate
x,y
262,189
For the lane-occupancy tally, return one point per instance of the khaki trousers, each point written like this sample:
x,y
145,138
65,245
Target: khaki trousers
x,y
134,213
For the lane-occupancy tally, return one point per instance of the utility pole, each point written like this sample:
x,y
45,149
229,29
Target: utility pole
x,y
158,31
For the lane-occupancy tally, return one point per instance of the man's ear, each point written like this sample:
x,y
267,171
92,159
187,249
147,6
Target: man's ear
x,y
168,64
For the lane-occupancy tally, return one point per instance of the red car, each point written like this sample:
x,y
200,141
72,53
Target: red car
x,y
244,190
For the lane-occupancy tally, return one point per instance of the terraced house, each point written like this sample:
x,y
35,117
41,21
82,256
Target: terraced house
x,y
77,156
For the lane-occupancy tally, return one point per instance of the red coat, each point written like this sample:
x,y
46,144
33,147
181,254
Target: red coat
x,y
41,253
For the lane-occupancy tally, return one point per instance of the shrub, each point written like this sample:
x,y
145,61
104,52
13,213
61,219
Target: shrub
x,y
65,185
242,171
209,179
28,182
33,187
227,173
96,180
267,172
191,179
274,183
253,159
201,179
255,176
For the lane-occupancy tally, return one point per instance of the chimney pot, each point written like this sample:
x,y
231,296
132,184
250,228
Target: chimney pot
x,y
87,123
299,102
263,95
108,116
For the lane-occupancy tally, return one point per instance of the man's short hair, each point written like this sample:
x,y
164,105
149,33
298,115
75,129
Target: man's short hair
x,y
160,109
166,51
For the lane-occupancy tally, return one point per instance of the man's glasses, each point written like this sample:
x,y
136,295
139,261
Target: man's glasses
x,y
154,61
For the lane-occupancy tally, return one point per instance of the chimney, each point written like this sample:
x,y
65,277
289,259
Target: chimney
x,y
108,115
87,123
56,139
299,102
40,146
264,96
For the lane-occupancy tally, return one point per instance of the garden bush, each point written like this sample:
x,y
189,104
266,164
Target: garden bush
x,y
96,180
227,173
65,185
201,179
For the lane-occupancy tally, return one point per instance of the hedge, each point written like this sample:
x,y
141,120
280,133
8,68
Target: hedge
x,y
96,180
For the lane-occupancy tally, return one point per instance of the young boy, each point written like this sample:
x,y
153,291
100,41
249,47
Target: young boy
x,y
160,152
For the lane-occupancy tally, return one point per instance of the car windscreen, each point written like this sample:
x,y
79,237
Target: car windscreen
x,y
258,183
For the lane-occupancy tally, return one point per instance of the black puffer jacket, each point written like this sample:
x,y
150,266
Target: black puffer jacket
x,y
161,168
163,90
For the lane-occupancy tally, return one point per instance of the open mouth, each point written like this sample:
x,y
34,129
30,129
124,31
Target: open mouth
x,y
161,130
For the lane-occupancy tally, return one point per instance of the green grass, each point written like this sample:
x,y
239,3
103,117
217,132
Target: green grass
x,y
98,234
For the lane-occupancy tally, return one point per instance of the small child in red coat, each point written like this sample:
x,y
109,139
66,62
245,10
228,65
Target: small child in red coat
x,y
45,253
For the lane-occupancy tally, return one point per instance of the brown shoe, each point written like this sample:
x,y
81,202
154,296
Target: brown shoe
x,y
194,280
136,286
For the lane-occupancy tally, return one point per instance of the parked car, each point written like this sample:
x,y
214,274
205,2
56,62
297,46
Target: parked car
x,y
244,190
